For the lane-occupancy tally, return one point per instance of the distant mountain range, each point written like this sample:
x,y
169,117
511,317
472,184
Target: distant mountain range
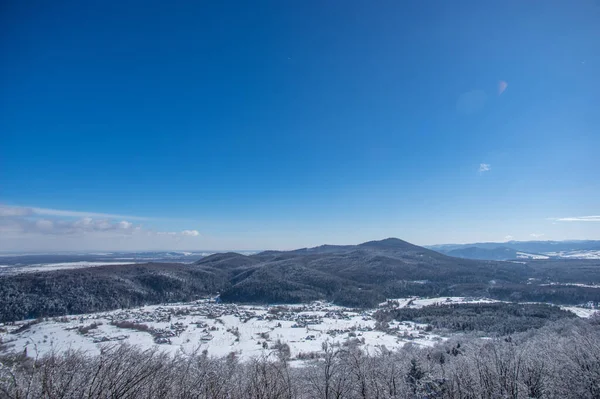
x,y
513,250
353,275
24,259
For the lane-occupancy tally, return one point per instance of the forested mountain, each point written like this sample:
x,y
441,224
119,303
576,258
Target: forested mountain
x,y
527,246
354,275
500,253
583,249
60,292
364,274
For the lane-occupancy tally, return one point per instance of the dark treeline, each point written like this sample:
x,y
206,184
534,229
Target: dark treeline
x,y
561,360
60,293
490,318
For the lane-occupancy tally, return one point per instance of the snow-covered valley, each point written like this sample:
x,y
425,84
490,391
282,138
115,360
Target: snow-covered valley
x,y
220,329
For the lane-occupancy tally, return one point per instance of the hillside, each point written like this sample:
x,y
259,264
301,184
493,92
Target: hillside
x,y
60,292
500,253
582,249
354,275
365,274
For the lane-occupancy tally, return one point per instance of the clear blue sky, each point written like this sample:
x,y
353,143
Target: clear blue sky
x,y
282,124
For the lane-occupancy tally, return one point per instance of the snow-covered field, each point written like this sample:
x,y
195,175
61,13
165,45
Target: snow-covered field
x,y
525,255
585,254
572,285
418,303
580,312
46,267
248,331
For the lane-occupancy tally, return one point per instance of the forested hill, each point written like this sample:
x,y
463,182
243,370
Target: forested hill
x,y
580,249
362,274
354,275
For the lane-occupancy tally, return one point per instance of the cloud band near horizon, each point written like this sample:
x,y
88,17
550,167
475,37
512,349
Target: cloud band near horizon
x,y
577,219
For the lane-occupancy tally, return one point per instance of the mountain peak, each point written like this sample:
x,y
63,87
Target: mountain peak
x,y
390,242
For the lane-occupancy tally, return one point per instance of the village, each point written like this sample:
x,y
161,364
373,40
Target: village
x,y
222,329
218,328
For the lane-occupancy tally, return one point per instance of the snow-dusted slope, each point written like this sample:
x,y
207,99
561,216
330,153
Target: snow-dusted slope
x,y
220,329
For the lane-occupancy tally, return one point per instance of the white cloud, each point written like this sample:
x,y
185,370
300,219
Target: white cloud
x,y
534,235
84,222
33,226
30,223
12,211
578,219
125,225
78,214
184,233
508,238
502,85
484,167
44,225
16,211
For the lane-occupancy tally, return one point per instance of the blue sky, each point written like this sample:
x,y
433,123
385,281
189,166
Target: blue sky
x,y
273,124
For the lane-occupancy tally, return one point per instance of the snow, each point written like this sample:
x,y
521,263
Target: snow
x,y
525,255
44,267
303,328
417,303
584,254
225,328
572,285
583,311
580,312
